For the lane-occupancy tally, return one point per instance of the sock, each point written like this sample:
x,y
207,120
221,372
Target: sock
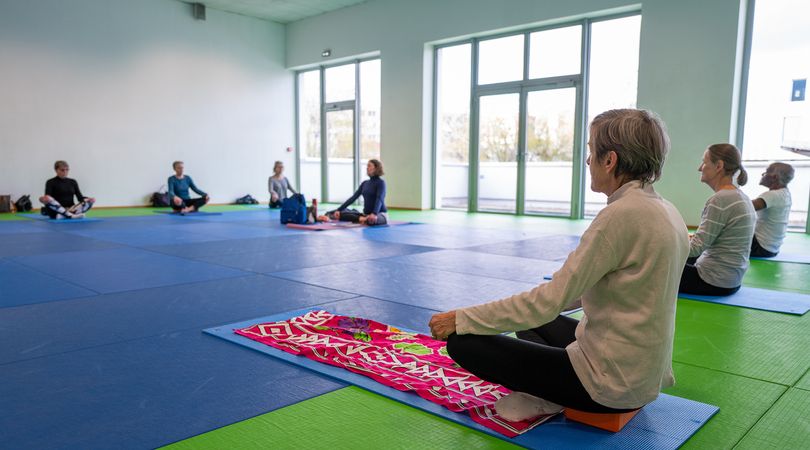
x,y
519,406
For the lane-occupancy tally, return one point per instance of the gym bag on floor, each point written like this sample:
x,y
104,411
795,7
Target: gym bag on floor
x,y
294,209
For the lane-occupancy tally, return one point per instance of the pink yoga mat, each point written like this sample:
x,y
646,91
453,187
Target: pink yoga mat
x,y
336,225
402,360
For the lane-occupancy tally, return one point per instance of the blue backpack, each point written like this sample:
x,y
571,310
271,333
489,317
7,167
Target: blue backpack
x,y
294,209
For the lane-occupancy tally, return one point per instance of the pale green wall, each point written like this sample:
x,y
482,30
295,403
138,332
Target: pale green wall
x,y
686,73
121,88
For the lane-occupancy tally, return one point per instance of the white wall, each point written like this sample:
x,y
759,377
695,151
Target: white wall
x,y
686,72
121,88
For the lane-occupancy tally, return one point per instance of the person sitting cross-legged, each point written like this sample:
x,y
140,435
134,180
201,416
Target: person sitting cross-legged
x,y
773,210
179,185
625,269
59,194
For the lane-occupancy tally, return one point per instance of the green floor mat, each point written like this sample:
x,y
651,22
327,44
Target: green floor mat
x,y
780,276
10,216
122,212
804,383
785,426
742,402
758,344
549,225
347,418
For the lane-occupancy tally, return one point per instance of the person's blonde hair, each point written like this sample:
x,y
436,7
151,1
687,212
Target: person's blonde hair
x,y
639,138
378,167
732,161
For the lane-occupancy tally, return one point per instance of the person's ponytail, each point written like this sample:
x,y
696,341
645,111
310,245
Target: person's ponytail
x,y
742,178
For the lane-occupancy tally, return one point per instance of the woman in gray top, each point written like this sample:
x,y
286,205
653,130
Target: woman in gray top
x,y
719,249
278,185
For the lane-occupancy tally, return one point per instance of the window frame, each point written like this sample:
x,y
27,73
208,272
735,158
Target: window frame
x,y
580,81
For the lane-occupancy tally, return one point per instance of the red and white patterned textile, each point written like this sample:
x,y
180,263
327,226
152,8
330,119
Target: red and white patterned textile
x,y
404,361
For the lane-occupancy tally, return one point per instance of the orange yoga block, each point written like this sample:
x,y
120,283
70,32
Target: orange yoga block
x,y
609,422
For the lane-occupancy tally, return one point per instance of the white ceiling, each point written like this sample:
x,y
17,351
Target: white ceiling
x,y
281,11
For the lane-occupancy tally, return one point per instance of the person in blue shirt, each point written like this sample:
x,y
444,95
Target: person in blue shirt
x,y
179,184
373,192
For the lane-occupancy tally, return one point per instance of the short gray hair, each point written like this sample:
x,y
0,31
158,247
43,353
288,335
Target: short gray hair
x,y
784,172
639,138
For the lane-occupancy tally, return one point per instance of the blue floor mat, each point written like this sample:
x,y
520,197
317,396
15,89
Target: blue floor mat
x,y
23,286
483,264
124,269
20,226
799,258
551,248
259,215
198,214
318,252
110,318
147,235
45,243
292,242
764,299
144,393
418,286
666,423
232,230
440,236
47,219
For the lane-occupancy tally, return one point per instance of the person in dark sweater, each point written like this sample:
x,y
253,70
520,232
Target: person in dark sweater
x,y
59,193
179,184
373,192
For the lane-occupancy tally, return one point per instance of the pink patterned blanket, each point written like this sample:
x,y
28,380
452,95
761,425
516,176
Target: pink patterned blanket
x,y
404,361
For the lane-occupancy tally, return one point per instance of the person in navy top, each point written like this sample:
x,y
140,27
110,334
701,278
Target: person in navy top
x,y
59,193
179,185
373,192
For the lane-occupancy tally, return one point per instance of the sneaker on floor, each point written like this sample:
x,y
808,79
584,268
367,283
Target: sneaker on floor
x,y
519,406
76,216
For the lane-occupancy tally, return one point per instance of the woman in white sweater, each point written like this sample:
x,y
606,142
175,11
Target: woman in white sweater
x,y
626,271
719,249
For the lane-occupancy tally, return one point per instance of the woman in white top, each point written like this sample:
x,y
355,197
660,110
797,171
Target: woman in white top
x,y
718,251
773,210
626,271
278,185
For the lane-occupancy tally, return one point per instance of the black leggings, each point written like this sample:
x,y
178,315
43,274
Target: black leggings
x,y
691,283
540,367
197,203
760,252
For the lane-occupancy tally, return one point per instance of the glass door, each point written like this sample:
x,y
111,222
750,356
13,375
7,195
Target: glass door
x,y
340,154
497,149
550,140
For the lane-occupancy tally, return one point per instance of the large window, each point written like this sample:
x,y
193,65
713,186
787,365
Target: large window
x,y
777,112
339,133
509,110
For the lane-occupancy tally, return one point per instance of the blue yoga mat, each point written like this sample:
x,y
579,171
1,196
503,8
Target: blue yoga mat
x,y
764,299
49,220
799,258
665,423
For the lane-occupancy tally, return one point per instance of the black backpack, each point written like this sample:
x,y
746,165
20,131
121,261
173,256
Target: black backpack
x,y
247,200
161,200
23,203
